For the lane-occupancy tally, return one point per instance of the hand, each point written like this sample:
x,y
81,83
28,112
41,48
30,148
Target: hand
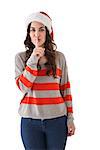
x,y
38,51
71,129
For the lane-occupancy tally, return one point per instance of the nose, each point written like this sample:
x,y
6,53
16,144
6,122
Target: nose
x,y
36,33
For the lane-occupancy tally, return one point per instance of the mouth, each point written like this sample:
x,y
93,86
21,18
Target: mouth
x,y
38,40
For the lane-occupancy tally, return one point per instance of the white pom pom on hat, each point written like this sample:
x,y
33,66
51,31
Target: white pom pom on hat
x,y
41,17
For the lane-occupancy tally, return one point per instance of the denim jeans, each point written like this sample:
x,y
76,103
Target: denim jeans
x,y
47,134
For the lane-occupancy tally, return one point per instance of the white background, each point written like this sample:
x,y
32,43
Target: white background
x,y
76,26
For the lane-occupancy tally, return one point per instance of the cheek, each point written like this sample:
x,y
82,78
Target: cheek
x,y
44,36
31,36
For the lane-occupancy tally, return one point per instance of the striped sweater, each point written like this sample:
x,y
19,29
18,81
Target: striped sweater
x,y
43,96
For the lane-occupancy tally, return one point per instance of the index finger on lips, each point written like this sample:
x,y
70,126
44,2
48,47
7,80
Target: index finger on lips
x,y
36,43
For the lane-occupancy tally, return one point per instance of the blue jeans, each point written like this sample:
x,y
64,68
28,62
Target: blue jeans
x,y
47,134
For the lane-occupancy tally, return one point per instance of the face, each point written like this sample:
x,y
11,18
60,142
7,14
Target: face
x,y
38,34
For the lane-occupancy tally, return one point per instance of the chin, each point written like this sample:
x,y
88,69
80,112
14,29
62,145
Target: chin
x,y
41,45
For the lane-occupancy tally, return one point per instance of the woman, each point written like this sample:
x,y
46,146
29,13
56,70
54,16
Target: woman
x,y
41,73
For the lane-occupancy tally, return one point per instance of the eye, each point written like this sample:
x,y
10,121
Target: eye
x,y
42,29
32,29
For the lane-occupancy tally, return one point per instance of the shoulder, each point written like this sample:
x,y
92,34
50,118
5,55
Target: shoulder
x,y
20,55
61,60
20,58
60,56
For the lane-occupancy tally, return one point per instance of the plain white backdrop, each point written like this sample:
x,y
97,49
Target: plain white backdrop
x,y
76,27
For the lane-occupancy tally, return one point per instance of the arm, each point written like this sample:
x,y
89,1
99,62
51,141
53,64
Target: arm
x,y
25,76
66,90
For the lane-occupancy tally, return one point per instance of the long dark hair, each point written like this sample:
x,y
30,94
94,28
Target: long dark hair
x,y
50,51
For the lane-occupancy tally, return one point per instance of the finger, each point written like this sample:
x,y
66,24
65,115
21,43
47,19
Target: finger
x,y
68,134
71,133
40,52
37,45
40,48
69,130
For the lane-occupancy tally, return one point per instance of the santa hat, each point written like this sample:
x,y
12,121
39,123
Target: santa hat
x,y
43,18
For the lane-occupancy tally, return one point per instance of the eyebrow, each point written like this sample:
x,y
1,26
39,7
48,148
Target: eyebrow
x,y
39,28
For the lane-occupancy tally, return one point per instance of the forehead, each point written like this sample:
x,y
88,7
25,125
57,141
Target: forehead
x,y
37,24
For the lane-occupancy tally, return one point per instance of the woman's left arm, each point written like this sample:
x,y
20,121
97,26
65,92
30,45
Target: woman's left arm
x,y
65,89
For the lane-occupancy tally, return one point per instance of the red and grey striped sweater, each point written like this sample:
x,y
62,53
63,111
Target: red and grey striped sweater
x,y
43,96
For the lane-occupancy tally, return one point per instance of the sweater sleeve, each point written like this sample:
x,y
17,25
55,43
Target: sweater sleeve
x,y
25,76
65,89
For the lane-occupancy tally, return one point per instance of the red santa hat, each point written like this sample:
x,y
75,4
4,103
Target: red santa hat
x,y
43,18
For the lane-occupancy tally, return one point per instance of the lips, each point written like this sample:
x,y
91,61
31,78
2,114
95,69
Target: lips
x,y
38,40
